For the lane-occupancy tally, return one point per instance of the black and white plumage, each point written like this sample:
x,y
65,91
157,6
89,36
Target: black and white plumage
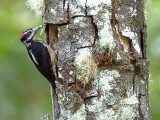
x,y
41,54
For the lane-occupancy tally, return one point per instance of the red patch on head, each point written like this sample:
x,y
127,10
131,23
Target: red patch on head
x,y
22,35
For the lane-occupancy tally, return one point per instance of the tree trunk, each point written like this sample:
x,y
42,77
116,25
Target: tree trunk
x,y
102,67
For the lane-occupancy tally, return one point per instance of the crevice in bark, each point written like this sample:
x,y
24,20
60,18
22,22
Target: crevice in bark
x,y
57,71
98,91
63,24
133,80
77,16
47,32
68,14
96,37
51,35
143,41
141,117
133,62
96,31
64,2
89,97
114,23
86,8
84,47
72,42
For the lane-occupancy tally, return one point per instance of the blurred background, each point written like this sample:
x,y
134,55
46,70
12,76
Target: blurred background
x,y
24,92
21,97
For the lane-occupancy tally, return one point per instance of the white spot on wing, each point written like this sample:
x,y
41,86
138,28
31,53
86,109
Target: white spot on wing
x,y
34,59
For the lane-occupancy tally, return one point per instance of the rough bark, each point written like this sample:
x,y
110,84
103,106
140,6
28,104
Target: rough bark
x,y
102,66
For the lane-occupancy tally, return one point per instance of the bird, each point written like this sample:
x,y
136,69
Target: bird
x,y
42,55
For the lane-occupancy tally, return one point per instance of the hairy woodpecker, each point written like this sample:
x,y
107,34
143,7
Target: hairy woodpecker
x,y
42,55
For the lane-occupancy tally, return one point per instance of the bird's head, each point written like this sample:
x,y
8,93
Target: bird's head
x,y
29,34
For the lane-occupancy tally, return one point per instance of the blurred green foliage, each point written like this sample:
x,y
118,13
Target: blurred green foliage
x,y
24,93
153,52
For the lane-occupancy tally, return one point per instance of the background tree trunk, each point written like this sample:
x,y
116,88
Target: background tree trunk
x,y
102,67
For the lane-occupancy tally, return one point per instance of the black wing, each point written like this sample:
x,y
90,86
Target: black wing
x,y
42,60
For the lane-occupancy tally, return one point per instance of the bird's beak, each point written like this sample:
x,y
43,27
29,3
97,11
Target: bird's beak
x,y
35,30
